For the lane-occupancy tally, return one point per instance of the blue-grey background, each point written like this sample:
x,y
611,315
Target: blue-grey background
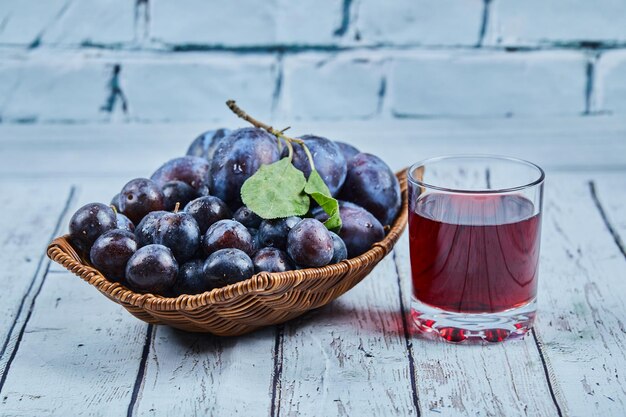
x,y
72,61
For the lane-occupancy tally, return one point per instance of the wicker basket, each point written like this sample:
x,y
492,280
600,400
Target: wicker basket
x,y
263,300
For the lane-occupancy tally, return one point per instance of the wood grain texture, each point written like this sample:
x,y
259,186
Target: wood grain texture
x,y
475,380
582,302
349,358
31,217
205,375
78,351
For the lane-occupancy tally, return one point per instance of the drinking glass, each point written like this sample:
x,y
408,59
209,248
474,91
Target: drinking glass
x,y
474,231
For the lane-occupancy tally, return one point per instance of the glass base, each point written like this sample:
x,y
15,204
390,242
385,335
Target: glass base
x,y
453,327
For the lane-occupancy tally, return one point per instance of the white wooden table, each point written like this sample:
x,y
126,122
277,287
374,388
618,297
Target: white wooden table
x,y
66,350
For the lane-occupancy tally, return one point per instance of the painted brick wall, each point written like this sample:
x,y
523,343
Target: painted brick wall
x,y
179,60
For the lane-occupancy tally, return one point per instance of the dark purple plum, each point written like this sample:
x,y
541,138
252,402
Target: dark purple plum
x,y
225,234
359,228
272,260
329,161
273,233
247,217
191,279
124,223
347,150
146,229
153,269
204,146
111,251
115,201
177,192
178,231
139,197
371,184
192,170
310,244
227,266
340,251
237,157
89,222
207,210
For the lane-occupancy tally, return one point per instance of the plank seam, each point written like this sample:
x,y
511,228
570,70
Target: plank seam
x,y
5,345
616,237
278,371
549,373
141,372
407,339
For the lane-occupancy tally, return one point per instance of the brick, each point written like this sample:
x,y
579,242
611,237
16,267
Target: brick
x,y
54,89
610,83
316,87
536,21
488,84
195,88
22,22
419,22
201,22
94,21
309,22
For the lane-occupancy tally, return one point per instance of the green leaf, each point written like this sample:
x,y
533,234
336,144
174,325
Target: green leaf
x,y
276,191
317,189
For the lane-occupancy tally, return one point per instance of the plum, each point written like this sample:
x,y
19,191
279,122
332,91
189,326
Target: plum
x,y
177,192
111,251
347,150
192,170
359,229
227,266
328,158
371,184
225,234
89,222
310,244
204,146
237,157
153,269
207,210
272,260
139,197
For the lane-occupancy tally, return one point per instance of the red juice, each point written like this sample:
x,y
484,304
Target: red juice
x,y
474,253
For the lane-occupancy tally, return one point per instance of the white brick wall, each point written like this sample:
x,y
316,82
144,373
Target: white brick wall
x,y
611,83
330,87
490,83
532,22
196,87
419,22
311,59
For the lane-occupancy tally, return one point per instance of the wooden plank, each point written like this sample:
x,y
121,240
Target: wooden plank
x,y
137,149
350,357
32,216
582,301
76,350
485,380
191,374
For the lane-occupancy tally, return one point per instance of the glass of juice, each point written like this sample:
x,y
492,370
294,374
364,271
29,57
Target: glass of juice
x,y
474,232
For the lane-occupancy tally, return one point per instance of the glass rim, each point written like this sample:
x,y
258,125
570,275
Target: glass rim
x,y
423,162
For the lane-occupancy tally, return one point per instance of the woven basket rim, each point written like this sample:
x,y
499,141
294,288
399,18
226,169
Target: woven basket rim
x,y
61,251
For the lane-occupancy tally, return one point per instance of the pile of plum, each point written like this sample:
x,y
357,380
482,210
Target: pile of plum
x,y
185,230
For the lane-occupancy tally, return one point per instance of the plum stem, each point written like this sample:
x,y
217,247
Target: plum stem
x,y
177,207
278,133
113,208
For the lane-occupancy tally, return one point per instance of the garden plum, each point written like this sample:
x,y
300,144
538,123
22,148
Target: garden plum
x,y
89,222
328,158
139,197
225,234
177,192
347,150
152,268
111,251
204,146
237,157
192,170
272,260
227,266
371,184
273,233
207,210
310,244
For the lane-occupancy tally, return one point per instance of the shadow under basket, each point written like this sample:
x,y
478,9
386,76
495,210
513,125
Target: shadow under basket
x,y
263,300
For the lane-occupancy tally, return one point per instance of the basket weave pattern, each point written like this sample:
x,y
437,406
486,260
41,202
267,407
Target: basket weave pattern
x,y
265,299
